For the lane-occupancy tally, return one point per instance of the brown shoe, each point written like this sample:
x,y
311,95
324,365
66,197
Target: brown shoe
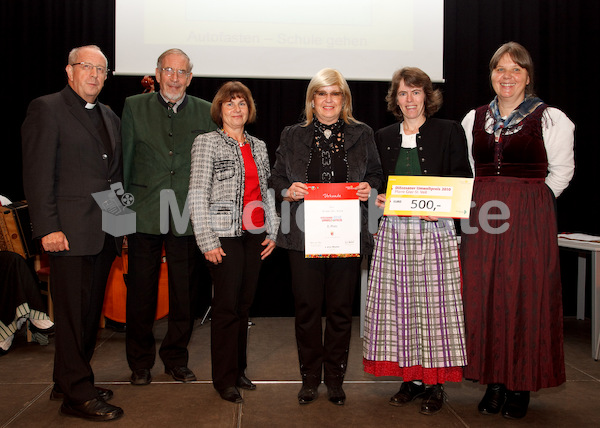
x,y
93,410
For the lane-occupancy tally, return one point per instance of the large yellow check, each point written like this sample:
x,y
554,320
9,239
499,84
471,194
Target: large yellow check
x,y
331,220
428,196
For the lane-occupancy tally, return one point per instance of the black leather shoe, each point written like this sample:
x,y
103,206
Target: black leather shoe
x,y
93,410
336,395
516,404
181,374
231,394
492,401
407,393
433,400
103,393
245,383
308,394
141,377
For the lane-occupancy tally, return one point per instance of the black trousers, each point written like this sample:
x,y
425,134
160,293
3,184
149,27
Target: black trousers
x,y
234,285
145,253
78,285
314,282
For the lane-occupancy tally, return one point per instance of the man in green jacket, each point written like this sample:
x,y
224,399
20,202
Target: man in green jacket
x,y
158,130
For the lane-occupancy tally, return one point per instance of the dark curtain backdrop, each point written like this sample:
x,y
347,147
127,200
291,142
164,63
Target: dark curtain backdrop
x,y
561,35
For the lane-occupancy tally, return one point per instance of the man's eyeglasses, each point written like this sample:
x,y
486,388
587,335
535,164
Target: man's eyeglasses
x,y
170,72
102,71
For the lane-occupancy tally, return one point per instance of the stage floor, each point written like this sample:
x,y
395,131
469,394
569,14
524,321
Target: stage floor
x,y
26,374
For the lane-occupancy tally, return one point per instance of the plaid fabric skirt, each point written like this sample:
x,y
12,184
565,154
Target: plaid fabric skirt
x,y
414,310
22,312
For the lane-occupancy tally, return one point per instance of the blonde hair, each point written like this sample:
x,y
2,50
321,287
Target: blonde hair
x,y
328,77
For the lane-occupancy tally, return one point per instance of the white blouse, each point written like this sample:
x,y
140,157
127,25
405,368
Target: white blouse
x,y
408,141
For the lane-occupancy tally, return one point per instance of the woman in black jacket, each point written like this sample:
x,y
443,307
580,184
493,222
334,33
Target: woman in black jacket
x,y
329,147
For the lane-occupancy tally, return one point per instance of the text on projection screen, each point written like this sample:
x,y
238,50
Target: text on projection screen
x,y
364,39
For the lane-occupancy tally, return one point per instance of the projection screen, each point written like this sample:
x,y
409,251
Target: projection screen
x,y
364,39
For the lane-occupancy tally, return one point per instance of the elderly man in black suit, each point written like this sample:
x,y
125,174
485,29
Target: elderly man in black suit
x,y
72,149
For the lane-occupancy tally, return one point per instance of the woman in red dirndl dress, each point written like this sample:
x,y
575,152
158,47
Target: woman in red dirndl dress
x,y
523,159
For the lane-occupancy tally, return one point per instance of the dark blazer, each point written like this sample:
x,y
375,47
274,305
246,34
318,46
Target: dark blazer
x,y
442,147
292,159
64,162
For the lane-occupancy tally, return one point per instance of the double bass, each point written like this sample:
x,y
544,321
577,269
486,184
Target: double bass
x,y
115,297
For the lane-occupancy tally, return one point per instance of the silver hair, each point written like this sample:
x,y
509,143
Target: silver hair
x,y
74,54
174,51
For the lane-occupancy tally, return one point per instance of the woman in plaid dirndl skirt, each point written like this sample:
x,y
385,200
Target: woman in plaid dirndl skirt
x,y
414,326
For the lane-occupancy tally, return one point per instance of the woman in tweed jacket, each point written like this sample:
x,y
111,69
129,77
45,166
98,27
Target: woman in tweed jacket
x,y
235,224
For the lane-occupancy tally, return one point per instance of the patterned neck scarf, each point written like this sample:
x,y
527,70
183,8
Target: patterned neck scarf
x,y
329,147
326,131
529,104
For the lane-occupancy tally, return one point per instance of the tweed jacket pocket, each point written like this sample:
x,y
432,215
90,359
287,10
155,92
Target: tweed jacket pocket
x,y
224,169
221,216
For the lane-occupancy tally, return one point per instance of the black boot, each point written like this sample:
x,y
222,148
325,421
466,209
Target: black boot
x,y
336,394
310,389
516,404
493,400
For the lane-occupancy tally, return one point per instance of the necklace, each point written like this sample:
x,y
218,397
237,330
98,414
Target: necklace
x,y
240,143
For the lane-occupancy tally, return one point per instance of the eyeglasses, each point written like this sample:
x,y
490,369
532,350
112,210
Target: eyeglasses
x,y
323,94
102,71
180,73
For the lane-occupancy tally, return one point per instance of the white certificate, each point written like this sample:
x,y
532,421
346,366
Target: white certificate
x,y
332,220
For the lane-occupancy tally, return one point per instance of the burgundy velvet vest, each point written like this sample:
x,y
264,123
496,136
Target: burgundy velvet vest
x,y
520,151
